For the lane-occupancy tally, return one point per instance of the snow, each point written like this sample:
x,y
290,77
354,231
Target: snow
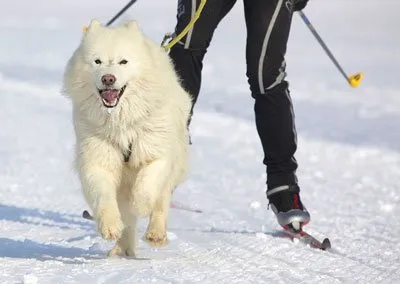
x,y
30,279
349,143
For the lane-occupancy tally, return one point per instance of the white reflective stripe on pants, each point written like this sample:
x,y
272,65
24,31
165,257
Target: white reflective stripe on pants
x,y
265,46
189,35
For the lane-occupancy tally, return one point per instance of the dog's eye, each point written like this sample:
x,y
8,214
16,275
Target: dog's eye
x,y
123,61
97,61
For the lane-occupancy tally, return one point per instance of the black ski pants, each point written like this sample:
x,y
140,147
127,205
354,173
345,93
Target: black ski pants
x,y
268,25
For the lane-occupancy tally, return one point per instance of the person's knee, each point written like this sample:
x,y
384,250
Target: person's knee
x,y
277,97
265,77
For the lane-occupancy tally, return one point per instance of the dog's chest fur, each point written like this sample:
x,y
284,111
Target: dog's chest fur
x,y
138,144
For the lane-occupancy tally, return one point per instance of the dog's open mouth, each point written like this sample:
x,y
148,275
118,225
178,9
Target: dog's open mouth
x,y
110,97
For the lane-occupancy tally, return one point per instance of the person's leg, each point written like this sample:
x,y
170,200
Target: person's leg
x,y
188,54
268,25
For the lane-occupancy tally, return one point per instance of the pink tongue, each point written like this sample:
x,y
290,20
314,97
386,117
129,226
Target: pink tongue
x,y
109,95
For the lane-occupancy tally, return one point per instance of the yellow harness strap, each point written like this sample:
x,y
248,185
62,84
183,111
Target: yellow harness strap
x,y
185,30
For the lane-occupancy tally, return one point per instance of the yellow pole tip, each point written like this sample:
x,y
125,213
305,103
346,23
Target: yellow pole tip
x,y
355,80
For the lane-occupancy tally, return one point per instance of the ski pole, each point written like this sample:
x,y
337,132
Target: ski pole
x,y
123,10
181,206
353,80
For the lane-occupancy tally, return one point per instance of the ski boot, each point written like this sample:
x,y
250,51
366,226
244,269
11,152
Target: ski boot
x,y
286,204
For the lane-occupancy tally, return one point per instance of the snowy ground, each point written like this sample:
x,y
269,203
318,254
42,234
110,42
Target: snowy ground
x,y
349,143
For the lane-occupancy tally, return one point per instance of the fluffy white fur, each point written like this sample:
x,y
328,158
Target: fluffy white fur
x,y
151,114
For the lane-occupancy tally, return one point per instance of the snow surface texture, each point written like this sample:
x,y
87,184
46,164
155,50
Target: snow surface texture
x,y
348,154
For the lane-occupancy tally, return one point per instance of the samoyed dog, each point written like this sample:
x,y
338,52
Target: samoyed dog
x,y
130,116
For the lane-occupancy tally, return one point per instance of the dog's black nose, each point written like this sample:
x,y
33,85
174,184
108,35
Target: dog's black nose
x,y
108,79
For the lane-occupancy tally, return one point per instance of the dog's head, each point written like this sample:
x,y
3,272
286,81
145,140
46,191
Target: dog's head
x,y
113,58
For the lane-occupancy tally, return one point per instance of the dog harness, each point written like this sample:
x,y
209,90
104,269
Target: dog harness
x,y
127,154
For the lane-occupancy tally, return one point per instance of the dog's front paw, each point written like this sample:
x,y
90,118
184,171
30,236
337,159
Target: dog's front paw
x,y
110,225
156,238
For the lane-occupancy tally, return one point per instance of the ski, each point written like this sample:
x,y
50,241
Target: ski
x,y
307,239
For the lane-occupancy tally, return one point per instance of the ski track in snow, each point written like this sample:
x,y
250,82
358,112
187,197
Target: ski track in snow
x,y
348,155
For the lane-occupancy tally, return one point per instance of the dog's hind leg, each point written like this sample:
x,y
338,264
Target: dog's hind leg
x,y
126,245
148,186
156,233
98,190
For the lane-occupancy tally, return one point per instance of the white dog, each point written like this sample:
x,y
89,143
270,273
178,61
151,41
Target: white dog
x,y
130,115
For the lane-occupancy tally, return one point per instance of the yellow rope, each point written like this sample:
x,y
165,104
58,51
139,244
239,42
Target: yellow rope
x,y
188,27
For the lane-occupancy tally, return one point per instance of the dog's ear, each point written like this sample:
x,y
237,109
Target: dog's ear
x,y
132,25
94,24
